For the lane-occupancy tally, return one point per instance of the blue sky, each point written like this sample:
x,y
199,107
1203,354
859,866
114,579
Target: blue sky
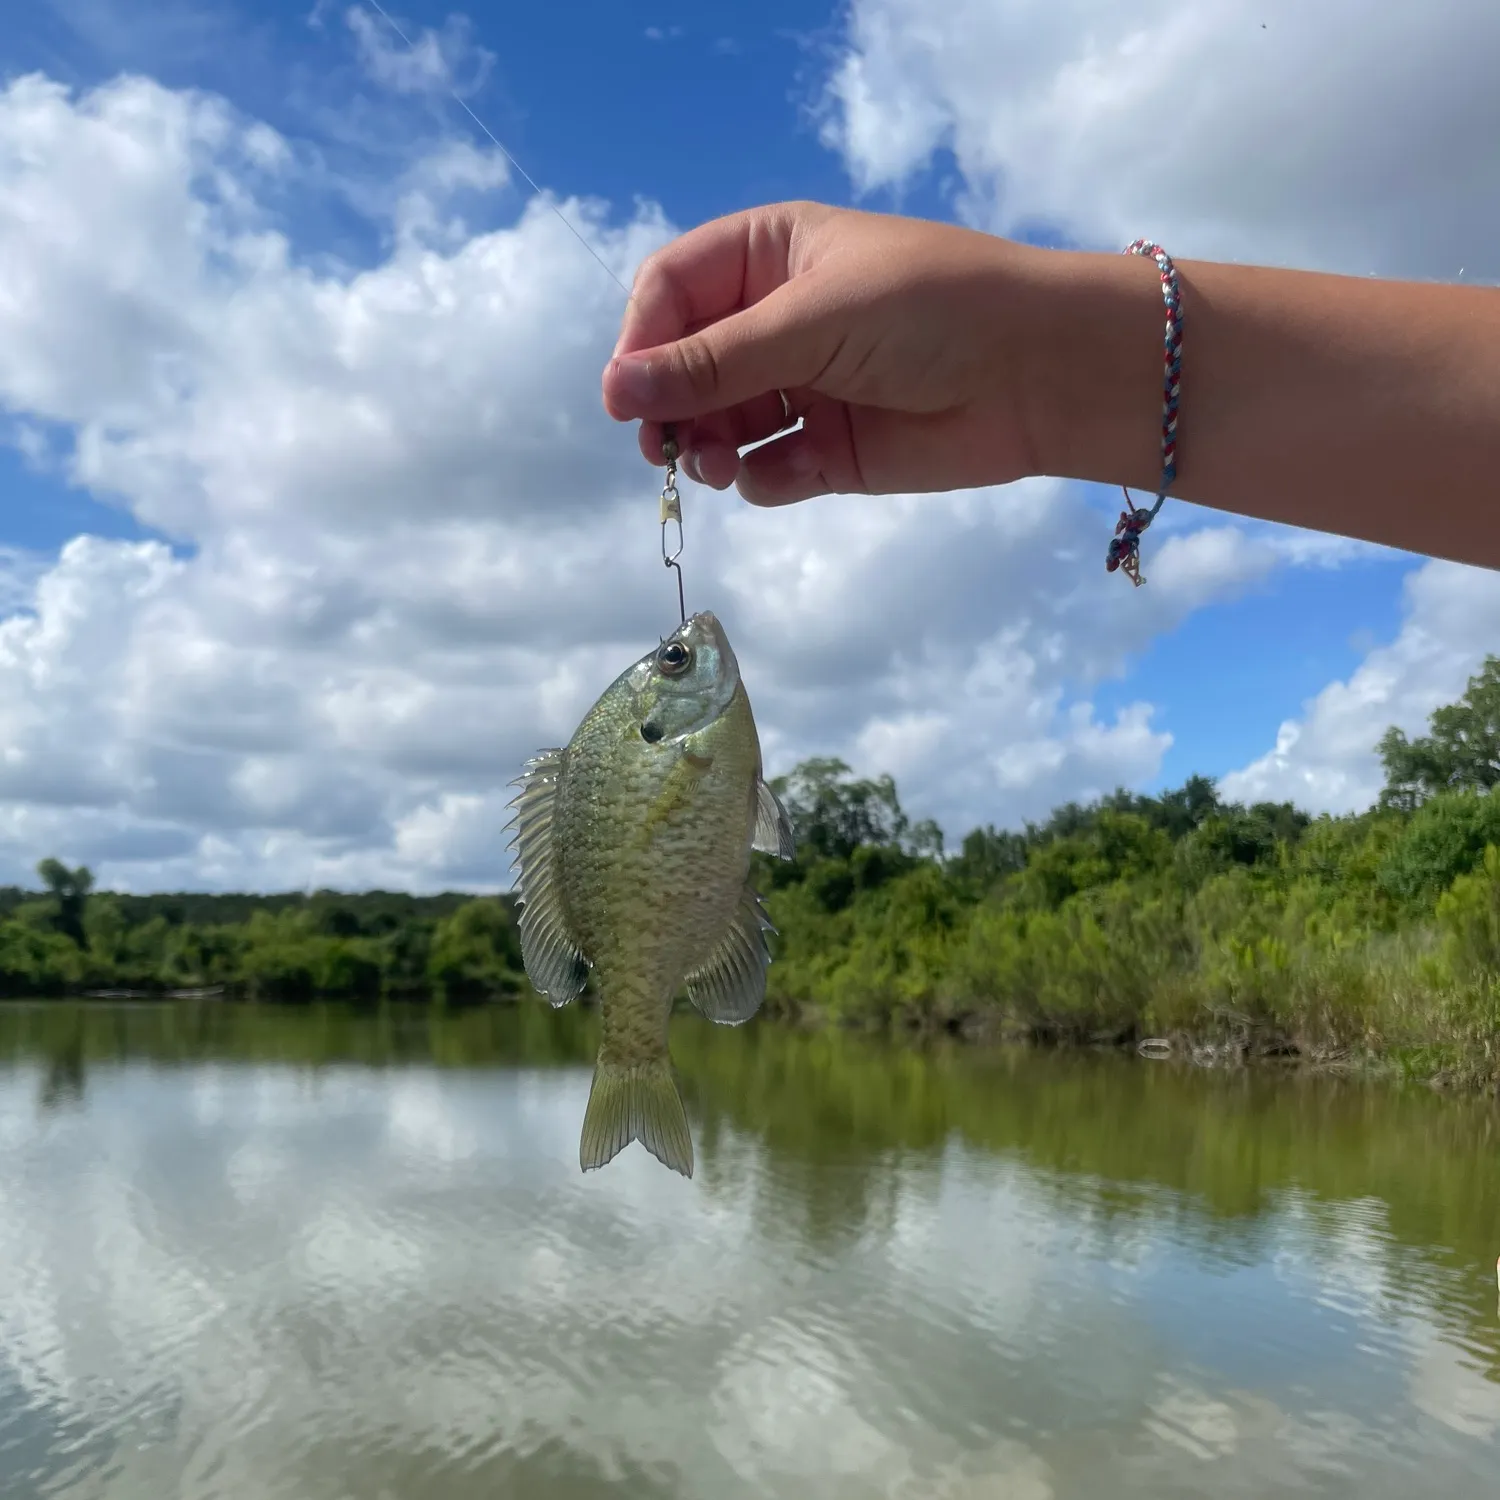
x,y
1228,676
706,109
693,107
704,116
703,110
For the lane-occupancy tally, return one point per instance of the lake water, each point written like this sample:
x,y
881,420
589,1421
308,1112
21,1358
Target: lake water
x,y
314,1255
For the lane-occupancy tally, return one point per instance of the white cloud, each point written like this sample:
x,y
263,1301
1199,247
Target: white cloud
x,y
406,548
1326,760
457,836
418,61
942,638
1343,135
379,477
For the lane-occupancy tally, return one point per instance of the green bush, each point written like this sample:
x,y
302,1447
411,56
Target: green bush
x,y
1445,838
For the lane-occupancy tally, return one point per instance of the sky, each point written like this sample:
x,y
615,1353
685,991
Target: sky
x,y
312,526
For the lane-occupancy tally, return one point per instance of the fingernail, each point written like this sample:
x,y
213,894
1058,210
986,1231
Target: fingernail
x,y
691,466
635,380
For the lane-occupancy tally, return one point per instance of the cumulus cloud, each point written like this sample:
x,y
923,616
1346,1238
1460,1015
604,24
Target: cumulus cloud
x,y
398,546
952,640
1326,759
1345,135
378,490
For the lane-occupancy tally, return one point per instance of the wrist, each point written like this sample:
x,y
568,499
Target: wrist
x,y
1092,381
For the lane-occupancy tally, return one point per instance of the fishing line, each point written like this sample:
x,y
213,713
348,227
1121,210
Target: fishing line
x,y
458,99
671,503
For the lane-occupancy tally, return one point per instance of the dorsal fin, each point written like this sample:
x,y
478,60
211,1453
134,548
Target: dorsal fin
x,y
773,829
554,963
731,985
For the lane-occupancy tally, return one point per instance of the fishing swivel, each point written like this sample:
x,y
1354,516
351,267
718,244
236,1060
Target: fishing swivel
x,y
671,510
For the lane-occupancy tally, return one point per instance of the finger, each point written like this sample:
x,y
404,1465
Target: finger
x,y
651,436
708,272
751,421
788,339
783,472
819,459
714,464
718,441
706,458
710,446
687,435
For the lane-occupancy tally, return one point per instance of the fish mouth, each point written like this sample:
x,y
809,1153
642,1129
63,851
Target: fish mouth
x,y
704,629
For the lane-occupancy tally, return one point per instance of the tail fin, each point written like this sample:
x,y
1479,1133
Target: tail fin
x,y
639,1103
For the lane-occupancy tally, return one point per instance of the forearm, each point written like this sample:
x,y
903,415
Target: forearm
x,y
1364,408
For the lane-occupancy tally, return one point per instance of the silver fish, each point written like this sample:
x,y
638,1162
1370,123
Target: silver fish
x,y
633,854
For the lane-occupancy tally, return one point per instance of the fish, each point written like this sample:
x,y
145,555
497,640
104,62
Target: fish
x,y
632,846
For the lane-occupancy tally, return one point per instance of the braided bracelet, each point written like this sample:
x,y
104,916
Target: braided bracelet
x,y
1125,548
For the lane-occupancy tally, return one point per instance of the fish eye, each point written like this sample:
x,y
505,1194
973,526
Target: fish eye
x,y
674,658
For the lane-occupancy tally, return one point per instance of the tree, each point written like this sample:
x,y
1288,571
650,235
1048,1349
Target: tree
x,y
833,814
1184,809
1446,837
70,890
987,856
1177,812
1462,752
476,952
1112,846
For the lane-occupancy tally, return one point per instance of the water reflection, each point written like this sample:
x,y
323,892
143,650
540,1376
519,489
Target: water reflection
x,y
322,1254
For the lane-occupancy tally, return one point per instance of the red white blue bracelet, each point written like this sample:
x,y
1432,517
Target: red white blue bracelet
x,y
1125,548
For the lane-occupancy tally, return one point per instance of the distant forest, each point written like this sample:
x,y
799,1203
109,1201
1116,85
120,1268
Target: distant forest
x,y
1178,922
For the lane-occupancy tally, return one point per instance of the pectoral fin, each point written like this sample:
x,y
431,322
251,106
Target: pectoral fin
x,y
731,985
554,963
773,829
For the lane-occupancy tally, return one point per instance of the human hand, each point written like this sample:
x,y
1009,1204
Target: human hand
x,y
922,357
906,347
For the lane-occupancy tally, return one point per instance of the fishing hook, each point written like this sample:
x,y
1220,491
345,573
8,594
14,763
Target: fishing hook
x,y
671,510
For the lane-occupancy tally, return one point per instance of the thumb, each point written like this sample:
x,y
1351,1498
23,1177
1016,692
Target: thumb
x,y
782,341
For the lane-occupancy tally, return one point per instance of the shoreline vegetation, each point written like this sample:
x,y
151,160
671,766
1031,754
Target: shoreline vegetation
x,y
1177,925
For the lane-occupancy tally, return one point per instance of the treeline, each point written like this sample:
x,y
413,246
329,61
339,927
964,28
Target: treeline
x,y
69,939
1179,921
